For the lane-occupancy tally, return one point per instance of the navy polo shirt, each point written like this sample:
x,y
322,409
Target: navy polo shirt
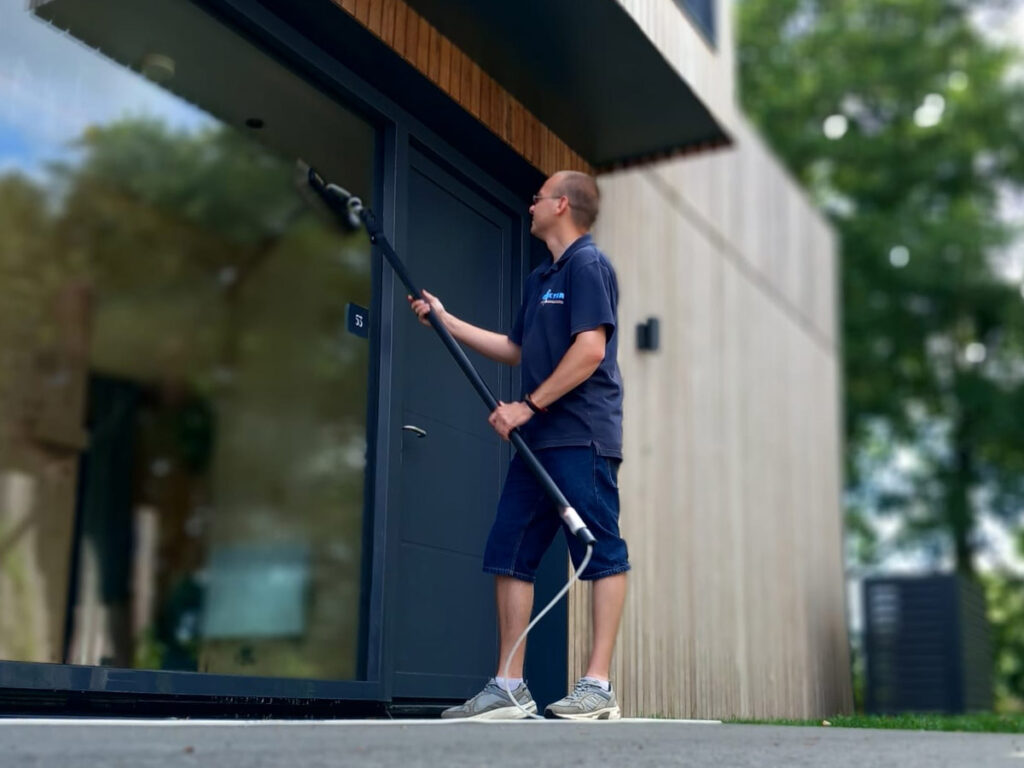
x,y
577,293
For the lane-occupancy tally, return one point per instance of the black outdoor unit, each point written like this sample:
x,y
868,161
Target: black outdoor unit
x,y
927,645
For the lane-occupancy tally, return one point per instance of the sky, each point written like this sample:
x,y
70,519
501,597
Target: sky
x,y
1003,26
52,87
1008,29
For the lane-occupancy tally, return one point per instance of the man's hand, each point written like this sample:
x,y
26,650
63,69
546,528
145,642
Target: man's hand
x,y
423,307
508,416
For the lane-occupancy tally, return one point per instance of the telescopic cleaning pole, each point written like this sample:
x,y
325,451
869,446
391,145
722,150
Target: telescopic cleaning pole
x,y
351,211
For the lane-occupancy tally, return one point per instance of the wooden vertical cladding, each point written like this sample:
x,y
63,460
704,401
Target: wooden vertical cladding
x,y
375,18
422,60
444,73
455,85
451,70
363,11
387,20
731,481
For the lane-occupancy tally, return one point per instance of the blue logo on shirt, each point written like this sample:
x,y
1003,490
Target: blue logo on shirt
x,y
551,297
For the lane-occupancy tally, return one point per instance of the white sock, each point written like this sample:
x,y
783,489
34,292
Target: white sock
x,y
605,684
513,682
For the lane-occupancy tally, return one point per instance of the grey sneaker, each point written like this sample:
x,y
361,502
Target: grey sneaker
x,y
492,703
588,701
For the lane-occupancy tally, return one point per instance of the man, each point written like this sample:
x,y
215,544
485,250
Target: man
x,y
571,416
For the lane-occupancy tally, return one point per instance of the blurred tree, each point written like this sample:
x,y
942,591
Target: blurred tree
x,y
1004,594
24,224
187,224
905,123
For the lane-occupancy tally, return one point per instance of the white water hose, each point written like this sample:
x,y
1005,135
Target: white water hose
x,y
504,672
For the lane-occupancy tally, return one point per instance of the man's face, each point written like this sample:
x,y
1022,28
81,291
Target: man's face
x,y
545,208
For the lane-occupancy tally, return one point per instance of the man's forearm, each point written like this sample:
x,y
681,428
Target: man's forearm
x,y
495,346
576,366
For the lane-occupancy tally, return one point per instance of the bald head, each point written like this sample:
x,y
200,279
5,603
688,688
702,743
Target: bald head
x,y
581,191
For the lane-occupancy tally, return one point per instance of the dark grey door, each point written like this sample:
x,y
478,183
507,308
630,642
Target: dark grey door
x,y
463,248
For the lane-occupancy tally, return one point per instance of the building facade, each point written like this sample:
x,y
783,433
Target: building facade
x,y
233,470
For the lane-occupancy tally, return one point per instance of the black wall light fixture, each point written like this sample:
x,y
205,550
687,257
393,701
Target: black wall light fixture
x,y
648,335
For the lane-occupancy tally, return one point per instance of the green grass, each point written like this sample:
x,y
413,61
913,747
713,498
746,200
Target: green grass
x,y
985,722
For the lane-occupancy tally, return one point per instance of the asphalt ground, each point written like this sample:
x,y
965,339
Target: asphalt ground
x,y
408,743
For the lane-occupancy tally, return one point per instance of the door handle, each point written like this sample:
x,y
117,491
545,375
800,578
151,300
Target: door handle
x,y
415,430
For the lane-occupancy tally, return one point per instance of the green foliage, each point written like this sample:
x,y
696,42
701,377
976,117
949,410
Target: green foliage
x,y
1004,595
926,134
216,180
982,722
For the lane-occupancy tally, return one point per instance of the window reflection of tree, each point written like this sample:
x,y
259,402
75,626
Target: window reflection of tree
x,y
191,243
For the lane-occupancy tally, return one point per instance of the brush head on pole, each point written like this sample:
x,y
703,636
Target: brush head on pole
x,y
329,200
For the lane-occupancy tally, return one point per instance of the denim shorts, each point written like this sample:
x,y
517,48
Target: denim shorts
x,y
527,520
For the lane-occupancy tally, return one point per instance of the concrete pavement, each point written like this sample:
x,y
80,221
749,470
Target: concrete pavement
x,y
408,744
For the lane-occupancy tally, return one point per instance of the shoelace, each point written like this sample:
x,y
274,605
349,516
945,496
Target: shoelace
x,y
582,689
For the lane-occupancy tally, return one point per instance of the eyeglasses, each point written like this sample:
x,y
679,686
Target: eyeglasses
x,y
538,198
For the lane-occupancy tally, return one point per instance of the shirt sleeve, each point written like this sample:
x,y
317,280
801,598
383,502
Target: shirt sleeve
x,y
592,297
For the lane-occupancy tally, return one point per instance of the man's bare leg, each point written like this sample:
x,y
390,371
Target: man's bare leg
x,y
515,603
608,599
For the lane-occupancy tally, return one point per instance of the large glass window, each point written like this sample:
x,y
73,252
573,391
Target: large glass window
x,y
182,400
